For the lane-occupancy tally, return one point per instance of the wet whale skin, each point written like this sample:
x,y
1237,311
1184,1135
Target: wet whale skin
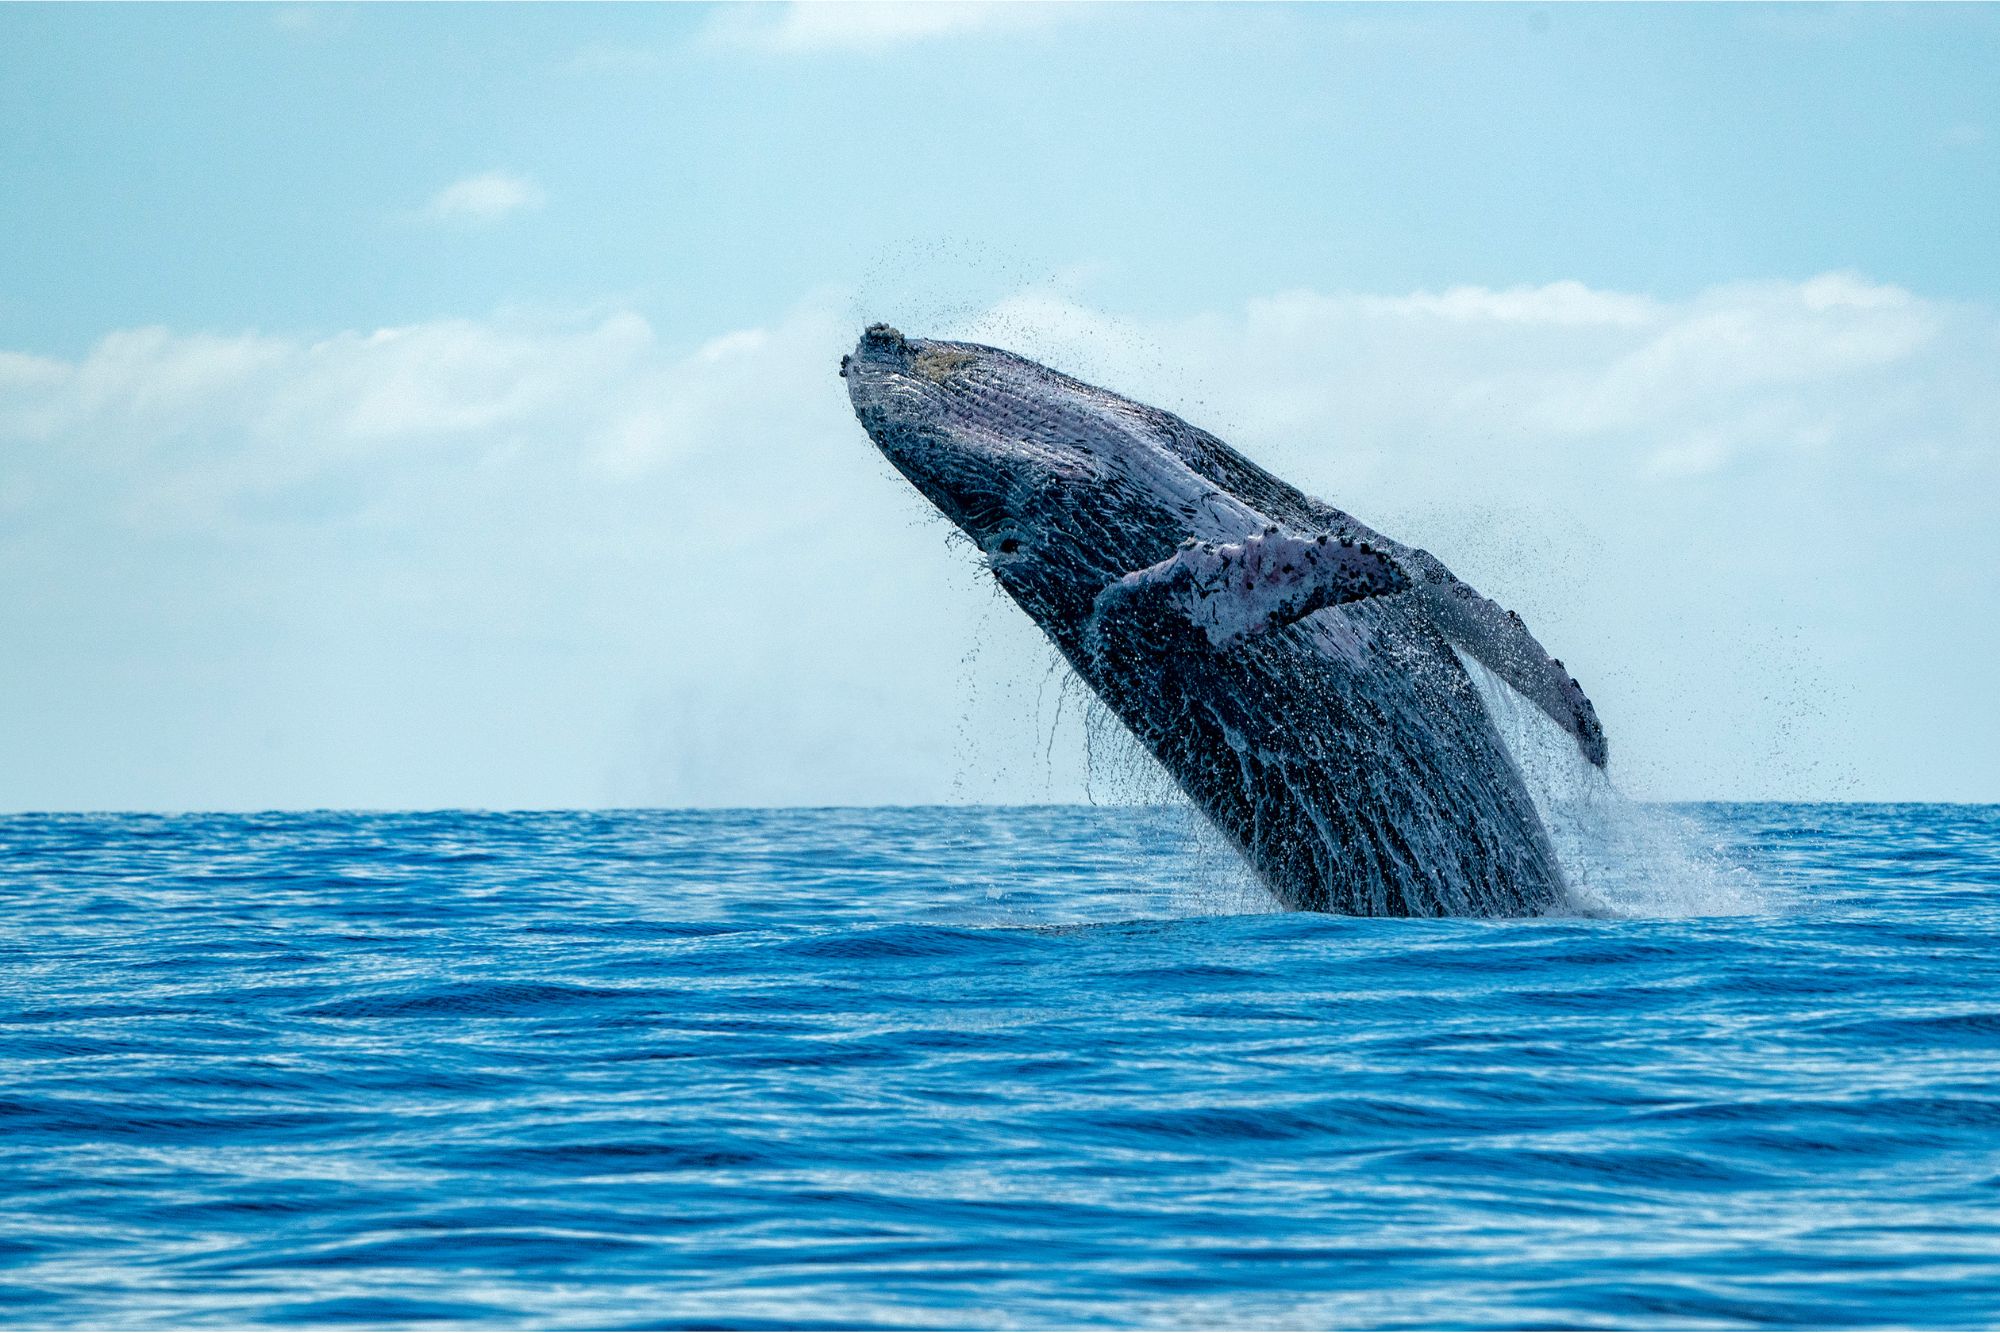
x,y
1295,671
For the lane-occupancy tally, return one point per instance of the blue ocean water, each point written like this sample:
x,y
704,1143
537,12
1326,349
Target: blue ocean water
x,y
965,1067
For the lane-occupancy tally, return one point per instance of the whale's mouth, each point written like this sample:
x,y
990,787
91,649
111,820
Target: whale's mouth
x,y
950,413
1006,449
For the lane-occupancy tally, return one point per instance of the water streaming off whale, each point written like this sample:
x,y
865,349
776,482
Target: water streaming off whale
x,y
1618,856
1299,674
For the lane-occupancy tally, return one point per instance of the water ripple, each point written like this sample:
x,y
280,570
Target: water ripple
x,y
977,1067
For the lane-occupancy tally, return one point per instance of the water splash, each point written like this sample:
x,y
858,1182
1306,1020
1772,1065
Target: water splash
x,y
1218,880
1621,858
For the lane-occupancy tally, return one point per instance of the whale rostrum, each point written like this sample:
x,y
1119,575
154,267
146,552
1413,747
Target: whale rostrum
x,y
1295,671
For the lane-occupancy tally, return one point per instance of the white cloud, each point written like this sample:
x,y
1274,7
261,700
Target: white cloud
x,y
1756,522
299,17
485,198
863,25
515,562
1567,304
465,562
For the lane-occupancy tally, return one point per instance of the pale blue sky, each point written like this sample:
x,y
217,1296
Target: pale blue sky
x,y
531,547
246,167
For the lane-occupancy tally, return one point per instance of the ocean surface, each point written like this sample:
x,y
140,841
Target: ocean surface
x,y
984,1067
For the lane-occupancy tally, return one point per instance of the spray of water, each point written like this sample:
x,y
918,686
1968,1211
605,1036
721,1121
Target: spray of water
x,y
1620,857
1217,880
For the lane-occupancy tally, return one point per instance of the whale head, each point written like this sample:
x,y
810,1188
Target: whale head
x,y
1065,487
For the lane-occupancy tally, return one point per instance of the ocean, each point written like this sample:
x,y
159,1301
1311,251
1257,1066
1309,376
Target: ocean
x,y
964,1067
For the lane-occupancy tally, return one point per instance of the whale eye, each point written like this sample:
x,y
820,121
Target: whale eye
x,y
1010,546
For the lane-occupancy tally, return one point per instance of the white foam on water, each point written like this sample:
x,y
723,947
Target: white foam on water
x,y
1621,858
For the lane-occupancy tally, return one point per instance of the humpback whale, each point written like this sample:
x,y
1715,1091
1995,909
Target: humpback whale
x,y
1303,678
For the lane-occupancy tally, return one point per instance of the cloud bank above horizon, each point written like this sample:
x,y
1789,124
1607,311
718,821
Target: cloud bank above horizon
x,y
536,561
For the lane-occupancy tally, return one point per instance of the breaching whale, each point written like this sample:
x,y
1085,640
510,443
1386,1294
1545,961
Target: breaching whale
x,y
1296,672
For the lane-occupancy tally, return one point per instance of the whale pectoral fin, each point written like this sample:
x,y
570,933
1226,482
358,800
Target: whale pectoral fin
x,y
1500,640
1221,595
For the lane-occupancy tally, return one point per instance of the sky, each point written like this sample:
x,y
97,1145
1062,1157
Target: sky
x,y
435,406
